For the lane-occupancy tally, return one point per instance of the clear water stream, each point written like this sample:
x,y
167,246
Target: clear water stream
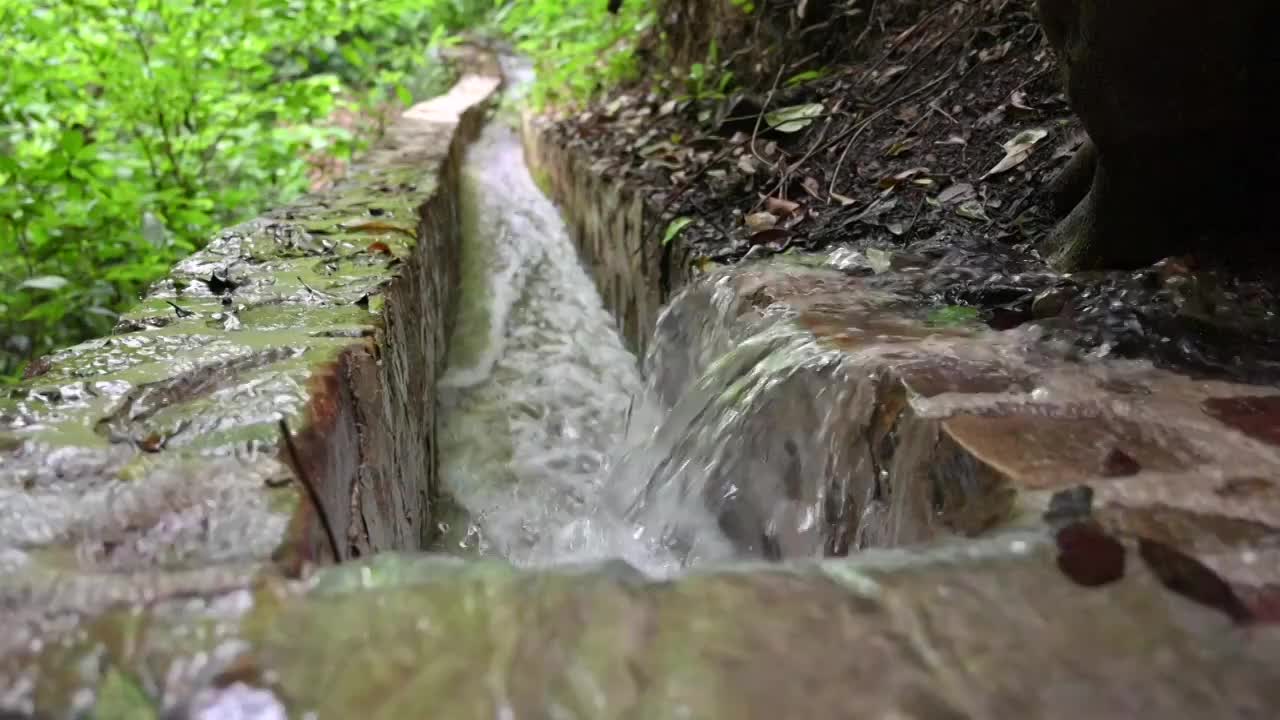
x,y
539,384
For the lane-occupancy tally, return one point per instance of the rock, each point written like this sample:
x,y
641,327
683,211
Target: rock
x,y
958,431
992,631
1179,99
1050,303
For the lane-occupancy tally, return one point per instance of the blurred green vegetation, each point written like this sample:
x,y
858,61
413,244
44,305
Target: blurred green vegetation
x,y
132,130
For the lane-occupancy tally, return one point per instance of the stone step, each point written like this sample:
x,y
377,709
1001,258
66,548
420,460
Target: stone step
x,y
986,629
954,430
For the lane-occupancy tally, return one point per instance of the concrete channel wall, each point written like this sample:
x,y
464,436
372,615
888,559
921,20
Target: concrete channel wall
x,y
958,432
150,462
613,226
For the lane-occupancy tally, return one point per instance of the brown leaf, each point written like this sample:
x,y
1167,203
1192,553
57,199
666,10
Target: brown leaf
x,y
960,192
1191,579
1089,556
379,248
772,235
902,177
780,206
756,222
379,226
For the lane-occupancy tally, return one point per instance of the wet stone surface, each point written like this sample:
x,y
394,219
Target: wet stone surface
x,y
933,634
821,411
144,464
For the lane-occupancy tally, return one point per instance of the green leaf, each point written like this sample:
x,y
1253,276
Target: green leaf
x,y
403,93
72,141
352,56
794,118
804,77
952,315
674,228
121,697
45,282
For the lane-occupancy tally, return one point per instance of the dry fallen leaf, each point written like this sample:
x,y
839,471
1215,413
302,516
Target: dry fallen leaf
x,y
959,192
794,118
879,260
375,226
1017,150
757,222
972,210
772,235
810,185
842,199
780,206
904,176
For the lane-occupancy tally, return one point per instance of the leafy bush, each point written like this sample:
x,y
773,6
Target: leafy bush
x,y
578,45
132,129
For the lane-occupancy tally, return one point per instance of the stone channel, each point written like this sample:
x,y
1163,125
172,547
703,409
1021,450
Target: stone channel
x,y
806,498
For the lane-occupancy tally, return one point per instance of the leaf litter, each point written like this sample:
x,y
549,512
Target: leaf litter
x,y
938,143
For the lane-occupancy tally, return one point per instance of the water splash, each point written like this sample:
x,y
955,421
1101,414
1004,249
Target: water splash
x,y
539,383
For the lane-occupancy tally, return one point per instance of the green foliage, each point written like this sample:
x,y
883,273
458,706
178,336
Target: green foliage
x,y
578,46
708,80
674,228
952,316
132,129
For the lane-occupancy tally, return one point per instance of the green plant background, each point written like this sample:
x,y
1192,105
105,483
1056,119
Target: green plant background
x,y
132,130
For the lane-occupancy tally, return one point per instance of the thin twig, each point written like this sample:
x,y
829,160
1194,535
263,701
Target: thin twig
x,y
871,15
920,60
790,168
312,494
756,130
902,37
857,130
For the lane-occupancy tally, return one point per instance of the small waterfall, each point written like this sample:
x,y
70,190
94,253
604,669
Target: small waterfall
x,y
556,452
748,431
749,438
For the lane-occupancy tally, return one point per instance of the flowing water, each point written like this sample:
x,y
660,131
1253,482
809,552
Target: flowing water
x,y
555,450
539,384
752,431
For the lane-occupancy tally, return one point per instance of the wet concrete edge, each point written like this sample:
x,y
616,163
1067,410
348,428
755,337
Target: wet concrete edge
x,y
374,403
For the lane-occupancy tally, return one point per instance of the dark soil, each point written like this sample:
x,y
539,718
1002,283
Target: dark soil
x,y
902,156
